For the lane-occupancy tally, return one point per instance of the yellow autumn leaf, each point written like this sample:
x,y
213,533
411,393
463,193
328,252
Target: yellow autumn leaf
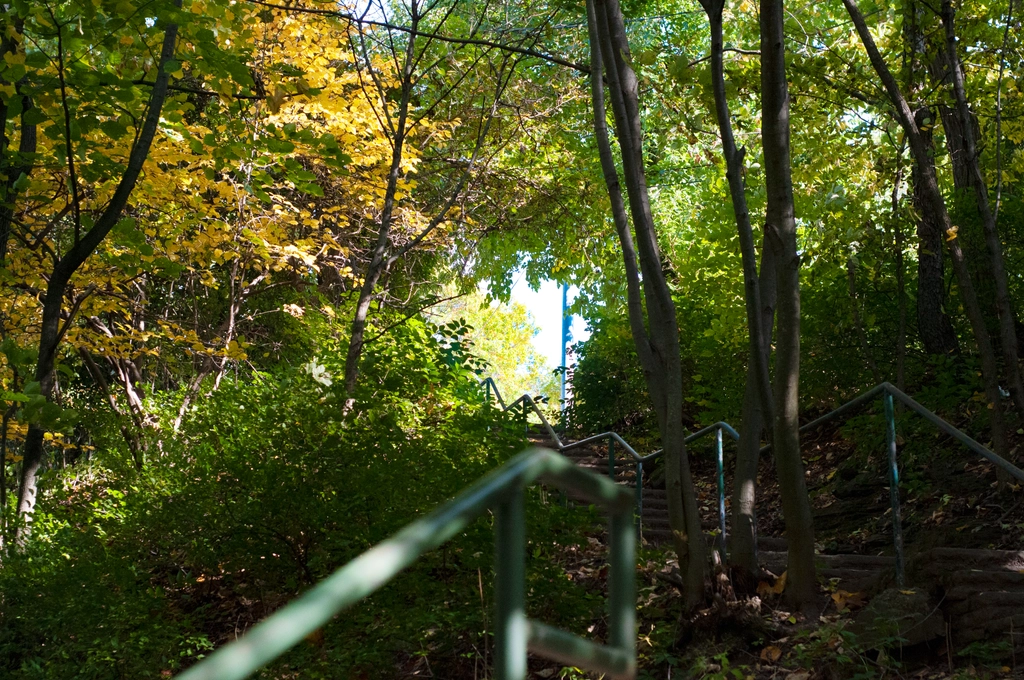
x,y
844,599
780,584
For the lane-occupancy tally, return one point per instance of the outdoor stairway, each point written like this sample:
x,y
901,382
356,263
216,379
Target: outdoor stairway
x,y
853,572
978,593
655,528
981,592
952,597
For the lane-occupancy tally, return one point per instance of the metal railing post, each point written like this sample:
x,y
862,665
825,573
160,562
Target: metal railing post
x,y
622,584
510,589
639,501
721,491
611,459
894,487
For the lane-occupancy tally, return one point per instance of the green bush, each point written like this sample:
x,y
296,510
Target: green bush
x,y
266,489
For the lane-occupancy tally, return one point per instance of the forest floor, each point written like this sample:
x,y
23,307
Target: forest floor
x,y
954,503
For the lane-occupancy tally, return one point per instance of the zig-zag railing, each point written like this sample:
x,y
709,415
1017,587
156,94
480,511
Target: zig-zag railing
x,y
886,390
614,438
502,492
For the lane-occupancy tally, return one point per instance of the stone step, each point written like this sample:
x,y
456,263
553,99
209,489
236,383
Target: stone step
x,y
944,560
602,462
845,561
966,582
662,502
989,599
772,543
988,624
658,521
970,580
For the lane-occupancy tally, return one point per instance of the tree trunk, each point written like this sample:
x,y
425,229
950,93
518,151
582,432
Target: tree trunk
x,y
737,191
12,167
971,232
1004,307
933,324
381,258
757,398
901,292
658,343
934,206
51,332
780,224
378,257
743,539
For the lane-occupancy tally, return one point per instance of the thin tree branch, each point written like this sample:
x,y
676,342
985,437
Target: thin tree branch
x,y
434,36
434,303
999,114
199,90
68,147
79,299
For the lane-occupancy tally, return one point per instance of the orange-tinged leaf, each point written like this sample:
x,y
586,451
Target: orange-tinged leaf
x,y
780,584
771,654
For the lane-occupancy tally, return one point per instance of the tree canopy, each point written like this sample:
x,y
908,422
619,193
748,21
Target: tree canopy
x,y
251,248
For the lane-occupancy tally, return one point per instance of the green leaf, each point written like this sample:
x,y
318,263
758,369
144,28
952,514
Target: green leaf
x,y
646,57
679,68
113,129
34,116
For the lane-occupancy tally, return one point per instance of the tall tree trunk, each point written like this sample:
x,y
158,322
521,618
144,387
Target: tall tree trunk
x,y
51,332
780,224
743,539
1007,319
901,292
971,232
12,166
378,256
934,206
657,344
737,191
757,399
933,324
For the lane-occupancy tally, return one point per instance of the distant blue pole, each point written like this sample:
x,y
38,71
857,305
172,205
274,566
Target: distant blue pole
x,y
566,319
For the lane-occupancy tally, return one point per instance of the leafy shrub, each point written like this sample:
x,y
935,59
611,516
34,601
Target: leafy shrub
x,y
608,388
267,488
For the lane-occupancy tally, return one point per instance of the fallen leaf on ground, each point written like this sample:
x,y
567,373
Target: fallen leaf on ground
x,y
764,588
780,584
847,600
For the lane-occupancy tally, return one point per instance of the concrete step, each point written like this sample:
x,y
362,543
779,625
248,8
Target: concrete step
x,y
963,583
659,521
944,560
845,561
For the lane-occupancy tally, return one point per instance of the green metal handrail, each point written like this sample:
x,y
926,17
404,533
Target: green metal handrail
x,y
527,401
614,437
500,491
888,391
